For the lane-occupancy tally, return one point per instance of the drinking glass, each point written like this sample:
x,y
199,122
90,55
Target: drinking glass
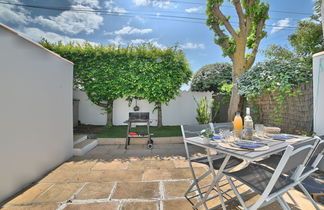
x,y
259,130
225,134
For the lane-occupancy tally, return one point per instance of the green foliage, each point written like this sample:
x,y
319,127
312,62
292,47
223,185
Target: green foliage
x,y
204,113
274,75
106,73
257,12
212,77
277,78
307,39
278,52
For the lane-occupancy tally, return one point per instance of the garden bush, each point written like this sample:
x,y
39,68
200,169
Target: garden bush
x,y
212,77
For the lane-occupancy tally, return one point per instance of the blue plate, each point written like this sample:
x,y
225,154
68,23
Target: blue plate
x,y
217,138
281,137
248,145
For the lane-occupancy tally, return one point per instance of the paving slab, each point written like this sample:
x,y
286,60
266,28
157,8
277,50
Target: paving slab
x,y
52,206
29,195
98,190
137,190
93,206
176,205
176,189
107,165
156,174
122,175
58,193
140,205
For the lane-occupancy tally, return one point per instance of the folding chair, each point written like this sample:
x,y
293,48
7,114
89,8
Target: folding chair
x,y
272,184
310,167
217,160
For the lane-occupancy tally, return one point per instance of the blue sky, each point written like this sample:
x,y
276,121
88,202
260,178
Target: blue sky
x,y
162,22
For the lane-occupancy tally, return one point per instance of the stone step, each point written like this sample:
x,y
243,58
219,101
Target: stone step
x,y
84,147
79,138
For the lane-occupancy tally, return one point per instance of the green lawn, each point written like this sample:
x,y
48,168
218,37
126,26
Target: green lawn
x,y
120,131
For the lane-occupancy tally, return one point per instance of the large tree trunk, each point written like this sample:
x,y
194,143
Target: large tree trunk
x,y
234,103
238,69
159,109
109,109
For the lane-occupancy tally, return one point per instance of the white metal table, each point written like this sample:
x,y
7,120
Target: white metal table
x,y
275,146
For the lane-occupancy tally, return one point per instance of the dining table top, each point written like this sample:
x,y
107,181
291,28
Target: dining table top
x,y
274,146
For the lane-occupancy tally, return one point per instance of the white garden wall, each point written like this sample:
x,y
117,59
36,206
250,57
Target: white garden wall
x,y
181,110
36,133
318,87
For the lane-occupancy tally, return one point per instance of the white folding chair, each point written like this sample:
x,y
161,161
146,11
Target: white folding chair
x,y
217,160
272,184
310,167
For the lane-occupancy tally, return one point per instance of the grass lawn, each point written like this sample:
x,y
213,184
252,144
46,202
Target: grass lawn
x,y
120,131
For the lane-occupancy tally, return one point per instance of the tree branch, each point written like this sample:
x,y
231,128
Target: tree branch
x,y
240,14
221,34
249,18
258,37
221,16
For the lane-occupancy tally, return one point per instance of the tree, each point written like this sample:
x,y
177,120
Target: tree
x,y
212,77
160,76
307,39
106,73
240,45
278,52
97,71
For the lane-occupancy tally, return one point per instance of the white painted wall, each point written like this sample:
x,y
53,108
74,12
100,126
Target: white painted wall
x,y
318,90
181,110
36,132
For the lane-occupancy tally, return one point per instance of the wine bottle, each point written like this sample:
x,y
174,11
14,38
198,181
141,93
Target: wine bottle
x,y
248,125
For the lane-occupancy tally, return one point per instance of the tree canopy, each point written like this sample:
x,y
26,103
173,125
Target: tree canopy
x,y
307,39
106,73
212,77
240,44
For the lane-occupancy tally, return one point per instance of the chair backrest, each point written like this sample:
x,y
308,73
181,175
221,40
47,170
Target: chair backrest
x,y
316,155
217,126
291,159
193,130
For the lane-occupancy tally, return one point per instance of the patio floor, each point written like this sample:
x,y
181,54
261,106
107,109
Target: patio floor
x,y
108,177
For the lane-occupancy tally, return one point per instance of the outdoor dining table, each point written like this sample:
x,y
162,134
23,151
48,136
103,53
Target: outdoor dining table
x,y
275,146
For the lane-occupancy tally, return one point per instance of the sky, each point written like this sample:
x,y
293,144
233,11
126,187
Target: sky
x,y
161,22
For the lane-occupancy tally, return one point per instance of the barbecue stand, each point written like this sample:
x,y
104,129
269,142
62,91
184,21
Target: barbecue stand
x,y
137,117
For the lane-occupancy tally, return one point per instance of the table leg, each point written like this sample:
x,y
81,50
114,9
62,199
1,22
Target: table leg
x,y
216,178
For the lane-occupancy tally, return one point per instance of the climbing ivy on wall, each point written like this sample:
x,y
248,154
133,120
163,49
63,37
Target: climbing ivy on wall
x,y
106,73
278,78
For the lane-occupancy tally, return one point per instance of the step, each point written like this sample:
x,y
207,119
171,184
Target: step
x,y
79,138
84,147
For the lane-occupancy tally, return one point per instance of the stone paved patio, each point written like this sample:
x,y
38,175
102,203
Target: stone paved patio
x,y
108,177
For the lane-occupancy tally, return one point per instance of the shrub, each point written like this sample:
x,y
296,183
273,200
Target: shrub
x,y
204,113
274,76
212,77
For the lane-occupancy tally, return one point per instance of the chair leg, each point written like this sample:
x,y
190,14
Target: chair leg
x,y
220,196
293,200
308,196
282,203
236,192
286,204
